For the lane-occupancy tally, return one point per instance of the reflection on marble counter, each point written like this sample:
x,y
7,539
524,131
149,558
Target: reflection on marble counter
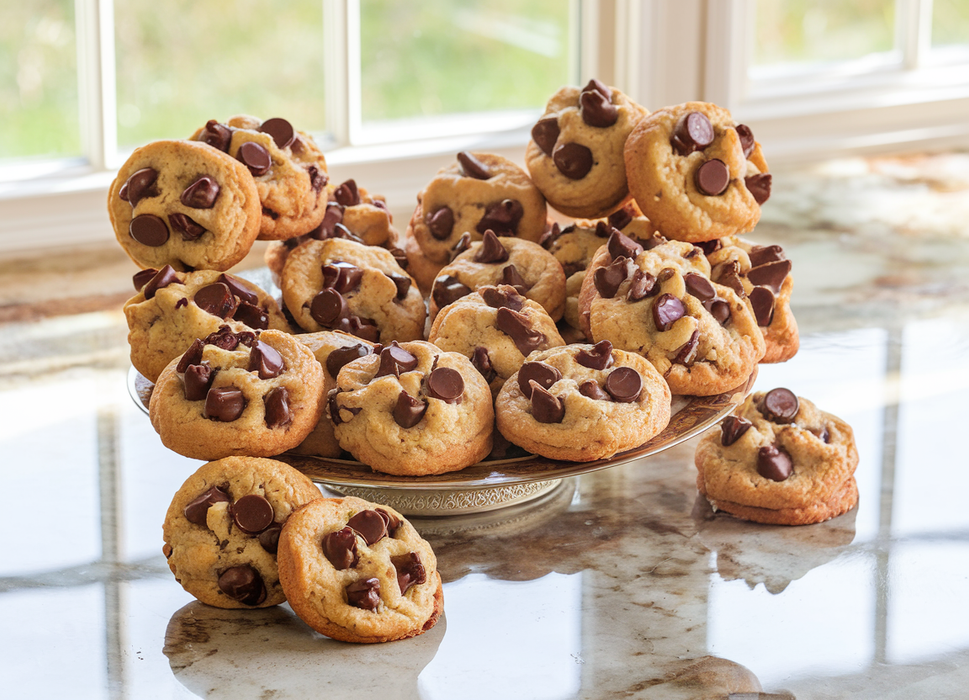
x,y
620,583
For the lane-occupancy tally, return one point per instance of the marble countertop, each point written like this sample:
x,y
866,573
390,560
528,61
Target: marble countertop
x,y
616,584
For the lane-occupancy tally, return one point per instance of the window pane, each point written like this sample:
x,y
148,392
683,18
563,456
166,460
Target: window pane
x,y
181,63
453,56
38,79
950,22
819,31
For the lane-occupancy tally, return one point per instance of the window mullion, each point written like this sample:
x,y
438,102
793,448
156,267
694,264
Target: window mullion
x,y
913,31
340,71
96,81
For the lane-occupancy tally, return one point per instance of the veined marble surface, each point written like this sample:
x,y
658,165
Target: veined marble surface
x,y
618,584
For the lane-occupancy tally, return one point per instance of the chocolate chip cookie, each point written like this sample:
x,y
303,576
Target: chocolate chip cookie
x,y
696,173
413,410
359,572
583,402
779,460
222,529
238,393
575,154
181,203
288,168
172,309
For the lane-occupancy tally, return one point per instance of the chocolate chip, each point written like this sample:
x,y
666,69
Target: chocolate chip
x,y
712,177
598,86
490,251
410,571
762,302
771,275
238,288
393,522
545,133
592,390
192,356
822,434
693,132
216,135
519,328
243,583
141,184
599,357
699,286
620,245
255,157
364,594
463,244
187,227
251,315
201,194
158,280
440,223
597,109
603,230
252,513
197,380
142,277
334,408
445,384
400,257
546,408
643,285
339,357
780,405
551,234
686,353
403,283
224,404
370,525
281,130
472,167
621,218
510,276
762,254
774,463
747,141
732,428
277,411
223,338
624,384
504,295
328,307
542,374
340,548
502,217
710,247
759,186
331,217
269,538
608,279
342,276
216,299
719,309
573,160
394,360
728,275
408,411
482,362
347,194
667,310
148,230
197,509
360,327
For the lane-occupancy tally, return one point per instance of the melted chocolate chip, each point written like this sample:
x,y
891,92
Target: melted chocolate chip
x,y
341,356
774,463
159,280
502,217
340,548
780,405
712,178
216,135
771,274
482,362
643,285
347,194
747,141
759,186
440,223
410,571
148,230
490,251
224,404
624,384
143,277
223,338
546,408
269,538
573,160
251,315
728,275
255,157
621,218
360,327
342,276
192,356
719,309
408,411
597,109
216,299
238,288
504,295
403,283
463,244
252,513
732,428
197,509
473,167
328,307
445,384
693,132
762,254
545,133
592,390
141,184
201,194
364,594
608,279
393,522
243,583
538,372
394,360
699,286
762,302
519,328
710,247
447,290
370,525
511,277
197,380
276,403
667,310
598,357
187,227
686,353
265,360
620,245
281,131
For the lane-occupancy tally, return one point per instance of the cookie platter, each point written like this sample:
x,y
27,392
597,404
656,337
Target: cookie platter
x,y
493,483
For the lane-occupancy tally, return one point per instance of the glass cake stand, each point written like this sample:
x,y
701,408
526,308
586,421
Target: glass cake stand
x,y
517,478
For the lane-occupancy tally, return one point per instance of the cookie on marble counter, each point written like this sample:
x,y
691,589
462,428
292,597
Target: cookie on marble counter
x,y
583,402
338,284
496,328
248,393
182,204
288,168
223,525
172,309
575,154
480,191
413,410
696,173
359,572
762,275
526,266
701,336
779,460
333,350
